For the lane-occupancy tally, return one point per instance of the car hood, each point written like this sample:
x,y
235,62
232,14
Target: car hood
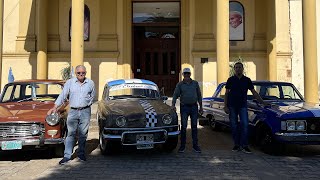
x,y
295,110
24,111
135,106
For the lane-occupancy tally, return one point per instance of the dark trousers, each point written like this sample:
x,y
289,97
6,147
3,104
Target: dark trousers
x,y
239,130
186,111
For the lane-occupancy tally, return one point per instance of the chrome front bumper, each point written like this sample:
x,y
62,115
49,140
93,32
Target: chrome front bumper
x,y
298,137
36,142
120,137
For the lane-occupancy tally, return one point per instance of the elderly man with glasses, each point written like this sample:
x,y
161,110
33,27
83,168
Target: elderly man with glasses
x,y
80,92
189,92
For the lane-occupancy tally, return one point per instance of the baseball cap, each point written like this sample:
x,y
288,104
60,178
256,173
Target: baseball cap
x,y
186,70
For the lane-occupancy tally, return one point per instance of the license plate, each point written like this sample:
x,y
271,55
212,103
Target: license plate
x,y
144,141
144,146
11,145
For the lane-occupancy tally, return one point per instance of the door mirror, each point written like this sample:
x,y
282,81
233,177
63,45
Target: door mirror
x,y
164,98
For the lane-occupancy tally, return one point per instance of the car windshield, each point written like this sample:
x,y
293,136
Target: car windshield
x,y
31,92
269,91
276,92
133,91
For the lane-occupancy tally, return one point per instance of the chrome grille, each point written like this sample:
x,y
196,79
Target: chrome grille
x,y
13,130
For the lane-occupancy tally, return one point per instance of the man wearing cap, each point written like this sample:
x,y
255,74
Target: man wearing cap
x,y
189,92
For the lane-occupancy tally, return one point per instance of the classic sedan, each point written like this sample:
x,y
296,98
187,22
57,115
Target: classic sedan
x,y
132,113
24,123
288,119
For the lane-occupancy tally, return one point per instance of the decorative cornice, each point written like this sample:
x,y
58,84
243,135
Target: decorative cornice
x,y
26,38
210,54
259,36
109,54
53,37
200,37
107,37
284,54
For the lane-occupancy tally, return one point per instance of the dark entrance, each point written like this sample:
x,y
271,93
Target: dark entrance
x,y
157,56
156,43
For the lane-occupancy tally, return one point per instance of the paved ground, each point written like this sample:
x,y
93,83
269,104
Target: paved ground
x,y
216,161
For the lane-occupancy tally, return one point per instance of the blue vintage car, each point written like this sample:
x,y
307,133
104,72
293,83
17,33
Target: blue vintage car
x,y
289,119
132,113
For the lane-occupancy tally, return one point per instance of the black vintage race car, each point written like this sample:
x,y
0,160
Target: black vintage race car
x,y
132,113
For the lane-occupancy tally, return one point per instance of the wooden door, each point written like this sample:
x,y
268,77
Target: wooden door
x,y
157,56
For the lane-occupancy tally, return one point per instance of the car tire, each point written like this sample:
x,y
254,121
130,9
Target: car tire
x,y
109,147
268,143
170,144
213,124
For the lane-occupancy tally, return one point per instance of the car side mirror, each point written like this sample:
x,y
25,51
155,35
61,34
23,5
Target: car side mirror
x,y
164,98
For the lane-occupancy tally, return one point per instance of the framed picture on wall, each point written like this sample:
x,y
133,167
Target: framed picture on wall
x,y
236,21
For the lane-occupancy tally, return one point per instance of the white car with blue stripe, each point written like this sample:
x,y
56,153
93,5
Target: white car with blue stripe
x,y
289,119
132,113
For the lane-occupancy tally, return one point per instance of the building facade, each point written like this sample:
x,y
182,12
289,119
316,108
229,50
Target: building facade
x,y
148,39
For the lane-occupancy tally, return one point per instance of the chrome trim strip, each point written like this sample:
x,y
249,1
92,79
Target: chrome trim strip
x,y
110,136
139,129
298,137
54,141
174,133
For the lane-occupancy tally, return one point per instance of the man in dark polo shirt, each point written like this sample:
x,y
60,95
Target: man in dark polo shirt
x,y
235,104
189,92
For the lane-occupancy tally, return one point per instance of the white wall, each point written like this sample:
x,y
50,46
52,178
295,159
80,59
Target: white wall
x,y
295,8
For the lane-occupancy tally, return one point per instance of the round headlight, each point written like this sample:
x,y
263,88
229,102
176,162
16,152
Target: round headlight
x,y
166,119
34,129
52,119
300,125
291,125
121,121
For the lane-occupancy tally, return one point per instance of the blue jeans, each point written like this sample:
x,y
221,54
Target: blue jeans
x,y
192,111
77,120
239,132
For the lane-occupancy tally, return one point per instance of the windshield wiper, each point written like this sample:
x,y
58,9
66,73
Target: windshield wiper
x,y
26,99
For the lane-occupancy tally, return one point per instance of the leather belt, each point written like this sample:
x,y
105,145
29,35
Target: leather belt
x,y
80,108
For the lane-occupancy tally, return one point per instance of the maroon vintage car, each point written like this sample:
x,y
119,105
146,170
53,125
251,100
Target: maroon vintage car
x,y
24,122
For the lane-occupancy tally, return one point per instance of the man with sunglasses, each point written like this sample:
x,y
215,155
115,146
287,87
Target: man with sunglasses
x,y
189,92
80,92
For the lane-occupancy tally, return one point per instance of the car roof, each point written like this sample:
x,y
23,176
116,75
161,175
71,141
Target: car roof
x,y
130,81
267,82
27,81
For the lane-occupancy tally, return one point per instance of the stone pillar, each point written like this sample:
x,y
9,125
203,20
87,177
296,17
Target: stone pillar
x,y
222,40
77,25
1,36
310,50
42,40
272,41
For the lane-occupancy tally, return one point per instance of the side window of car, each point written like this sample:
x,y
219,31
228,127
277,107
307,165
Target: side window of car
x,y
17,92
7,95
222,92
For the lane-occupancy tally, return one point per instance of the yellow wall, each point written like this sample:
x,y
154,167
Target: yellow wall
x,y
108,54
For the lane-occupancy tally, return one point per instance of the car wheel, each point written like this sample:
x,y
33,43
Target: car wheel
x,y
109,147
267,142
170,144
213,124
